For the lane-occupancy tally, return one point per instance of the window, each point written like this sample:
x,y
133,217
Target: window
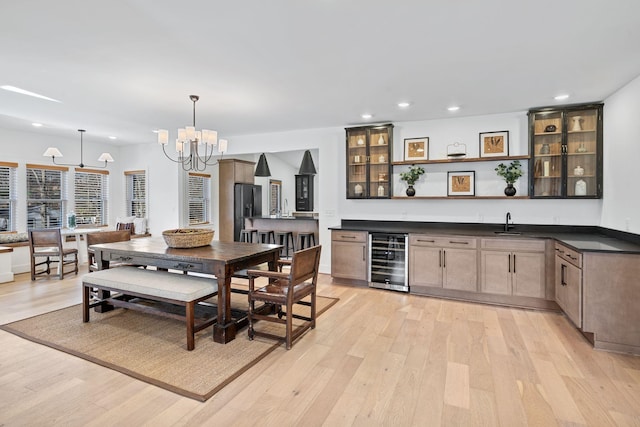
x,y
91,192
46,196
198,191
136,182
8,177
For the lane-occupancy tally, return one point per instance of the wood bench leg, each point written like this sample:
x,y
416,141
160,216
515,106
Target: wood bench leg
x,y
190,317
85,303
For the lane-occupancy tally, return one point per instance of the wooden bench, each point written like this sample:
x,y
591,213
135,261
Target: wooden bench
x,y
134,284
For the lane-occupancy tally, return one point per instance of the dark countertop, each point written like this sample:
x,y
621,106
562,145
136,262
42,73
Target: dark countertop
x,y
580,238
297,218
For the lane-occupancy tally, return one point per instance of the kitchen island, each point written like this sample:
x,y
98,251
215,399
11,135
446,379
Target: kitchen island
x,y
295,224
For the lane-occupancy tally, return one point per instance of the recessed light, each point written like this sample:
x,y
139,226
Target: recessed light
x,y
453,108
366,116
561,97
112,137
155,131
403,104
26,92
36,125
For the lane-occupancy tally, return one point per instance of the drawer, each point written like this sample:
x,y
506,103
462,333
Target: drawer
x,y
442,241
526,245
157,262
349,236
569,255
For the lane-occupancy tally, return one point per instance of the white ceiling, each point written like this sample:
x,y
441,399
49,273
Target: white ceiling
x,y
125,68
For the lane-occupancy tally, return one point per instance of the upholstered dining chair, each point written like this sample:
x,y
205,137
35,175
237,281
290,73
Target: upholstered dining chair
x,y
286,289
47,244
104,237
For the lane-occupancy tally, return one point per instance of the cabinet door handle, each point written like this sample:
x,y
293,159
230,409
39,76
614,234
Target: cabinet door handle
x,y
440,258
363,254
348,237
514,263
426,241
509,264
444,259
458,243
563,273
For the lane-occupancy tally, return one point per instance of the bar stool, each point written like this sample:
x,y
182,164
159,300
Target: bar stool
x,y
246,235
283,238
266,236
306,237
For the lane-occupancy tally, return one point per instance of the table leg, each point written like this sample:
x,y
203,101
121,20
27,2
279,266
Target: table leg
x,y
225,328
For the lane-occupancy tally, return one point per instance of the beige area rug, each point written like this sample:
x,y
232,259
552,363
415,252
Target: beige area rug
x,y
152,348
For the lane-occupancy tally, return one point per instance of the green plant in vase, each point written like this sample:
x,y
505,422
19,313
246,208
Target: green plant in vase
x,y
510,174
410,177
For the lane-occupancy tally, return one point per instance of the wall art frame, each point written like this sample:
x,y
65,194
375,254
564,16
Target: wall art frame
x,y
494,144
461,183
416,148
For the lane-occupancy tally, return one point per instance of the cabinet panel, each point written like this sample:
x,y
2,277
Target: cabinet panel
x,y
569,290
425,266
460,269
304,193
496,272
369,151
566,152
349,260
528,274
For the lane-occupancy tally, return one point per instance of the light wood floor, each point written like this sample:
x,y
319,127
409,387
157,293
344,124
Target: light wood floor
x,y
376,358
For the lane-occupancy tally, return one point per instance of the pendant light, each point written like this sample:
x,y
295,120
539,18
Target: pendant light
x,y
307,167
263,167
54,152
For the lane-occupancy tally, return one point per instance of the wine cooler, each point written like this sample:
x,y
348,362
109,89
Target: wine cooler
x,y
388,254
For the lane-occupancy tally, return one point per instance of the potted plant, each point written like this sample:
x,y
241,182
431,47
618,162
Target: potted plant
x,y
510,174
411,176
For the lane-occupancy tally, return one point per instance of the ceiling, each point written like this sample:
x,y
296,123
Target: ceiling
x,y
125,68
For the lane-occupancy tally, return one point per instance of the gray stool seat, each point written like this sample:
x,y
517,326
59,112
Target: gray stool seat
x,y
246,235
306,238
283,238
266,236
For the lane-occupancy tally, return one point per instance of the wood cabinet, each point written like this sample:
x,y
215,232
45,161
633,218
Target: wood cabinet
x,y
569,283
231,171
369,151
442,261
566,152
304,193
349,254
513,267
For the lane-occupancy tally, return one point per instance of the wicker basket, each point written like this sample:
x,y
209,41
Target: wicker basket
x,y
187,237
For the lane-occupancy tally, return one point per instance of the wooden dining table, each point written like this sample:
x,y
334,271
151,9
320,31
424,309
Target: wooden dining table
x,y
220,259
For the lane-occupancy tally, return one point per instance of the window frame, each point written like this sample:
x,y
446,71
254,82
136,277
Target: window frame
x,y
8,195
200,197
84,214
130,200
49,203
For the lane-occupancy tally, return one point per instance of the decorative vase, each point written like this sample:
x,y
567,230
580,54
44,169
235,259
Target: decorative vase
x,y
581,188
357,190
510,190
411,191
545,149
381,140
577,125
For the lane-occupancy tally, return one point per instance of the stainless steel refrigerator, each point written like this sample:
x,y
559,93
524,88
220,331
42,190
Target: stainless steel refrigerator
x,y
247,203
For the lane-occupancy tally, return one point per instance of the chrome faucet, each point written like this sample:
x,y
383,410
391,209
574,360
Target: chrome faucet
x,y
506,222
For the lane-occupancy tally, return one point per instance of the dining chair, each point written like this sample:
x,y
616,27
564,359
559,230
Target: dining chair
x,y
286,289
47,244
104,237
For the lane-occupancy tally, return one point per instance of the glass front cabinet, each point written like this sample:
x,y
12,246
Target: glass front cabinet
x,y
369,151
566,152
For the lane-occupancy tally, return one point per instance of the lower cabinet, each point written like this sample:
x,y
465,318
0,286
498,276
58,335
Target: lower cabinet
x,y
349,254
442,262
569,283
513,267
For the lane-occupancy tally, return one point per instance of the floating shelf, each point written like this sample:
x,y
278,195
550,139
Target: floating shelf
x,y
457,197
459,160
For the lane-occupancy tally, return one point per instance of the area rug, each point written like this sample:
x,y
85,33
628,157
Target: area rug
x,y
151,348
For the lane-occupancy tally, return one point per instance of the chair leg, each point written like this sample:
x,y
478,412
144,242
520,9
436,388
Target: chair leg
x,y
85,303
313,309
251,309
289,324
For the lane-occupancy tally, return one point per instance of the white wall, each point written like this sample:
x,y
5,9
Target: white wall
x,y
621,189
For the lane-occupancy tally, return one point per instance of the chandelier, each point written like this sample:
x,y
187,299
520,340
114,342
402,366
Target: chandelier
x,y
54,152
195,148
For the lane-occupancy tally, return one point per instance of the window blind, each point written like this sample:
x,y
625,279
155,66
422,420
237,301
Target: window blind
x,y
8,196
136,182
90,195
198,195
46,196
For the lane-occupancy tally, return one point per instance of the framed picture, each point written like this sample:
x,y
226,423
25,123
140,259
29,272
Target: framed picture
x,y
494,144
416,148
461,183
